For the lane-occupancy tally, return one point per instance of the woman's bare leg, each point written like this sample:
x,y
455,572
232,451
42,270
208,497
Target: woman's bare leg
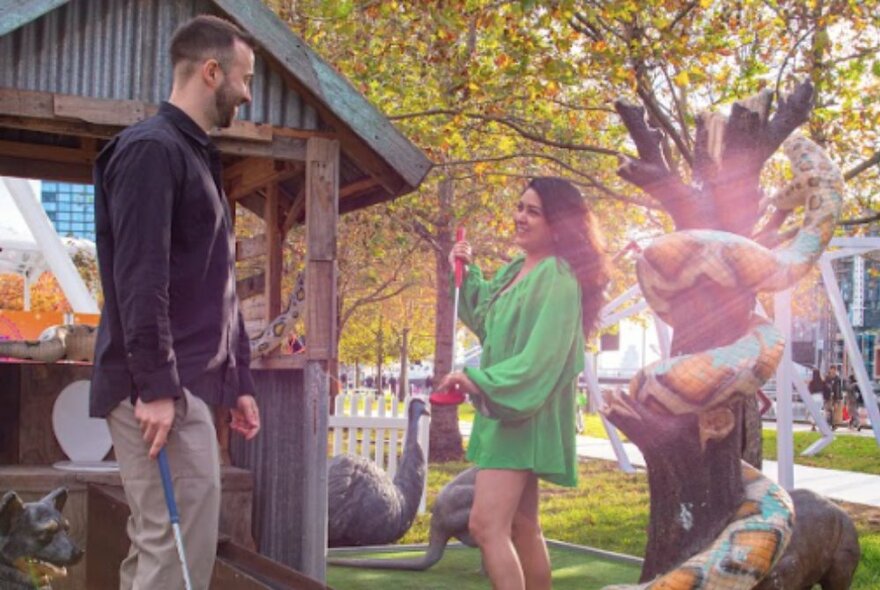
x,y
528,538
497,495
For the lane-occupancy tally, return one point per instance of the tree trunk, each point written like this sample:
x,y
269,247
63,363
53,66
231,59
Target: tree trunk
x,y
689,507
380,357
752,441
446,442
694,492
403,381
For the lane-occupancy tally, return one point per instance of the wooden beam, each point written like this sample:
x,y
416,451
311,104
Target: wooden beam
x,y
98,117
353,203
279,361
33,151
46,170
246,176
118,113
251,286
248,248
26,103
304,133
255,203
57,126
322,198
296,212
280,148
273,254
357,187
250,174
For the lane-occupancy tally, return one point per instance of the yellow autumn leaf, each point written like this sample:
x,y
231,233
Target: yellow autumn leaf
x,y
682,78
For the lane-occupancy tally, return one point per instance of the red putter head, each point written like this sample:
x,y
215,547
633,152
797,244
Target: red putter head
x,y
447,397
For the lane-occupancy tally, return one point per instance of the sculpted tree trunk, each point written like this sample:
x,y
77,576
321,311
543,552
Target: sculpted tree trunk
x,y
695,483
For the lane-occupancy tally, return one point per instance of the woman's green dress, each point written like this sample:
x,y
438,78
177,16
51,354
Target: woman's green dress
x,y
533,351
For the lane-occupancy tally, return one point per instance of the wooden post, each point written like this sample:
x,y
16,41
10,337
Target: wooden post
x,y
322,207
273,254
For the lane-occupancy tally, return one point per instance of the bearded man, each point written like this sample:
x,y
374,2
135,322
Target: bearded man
x,y
171,342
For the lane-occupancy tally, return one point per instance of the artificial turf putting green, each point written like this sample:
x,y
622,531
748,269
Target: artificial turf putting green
x,y
460,569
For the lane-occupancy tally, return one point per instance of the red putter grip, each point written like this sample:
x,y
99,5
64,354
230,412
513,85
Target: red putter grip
x,y
459,263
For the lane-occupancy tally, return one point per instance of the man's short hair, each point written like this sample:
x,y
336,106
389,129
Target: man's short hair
x,y
205,37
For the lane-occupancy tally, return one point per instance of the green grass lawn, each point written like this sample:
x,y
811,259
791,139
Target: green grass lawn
x,y
460,567
847,452
609,510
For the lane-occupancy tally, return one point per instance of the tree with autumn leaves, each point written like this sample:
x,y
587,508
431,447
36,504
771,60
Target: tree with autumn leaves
x,y
495,92
499,91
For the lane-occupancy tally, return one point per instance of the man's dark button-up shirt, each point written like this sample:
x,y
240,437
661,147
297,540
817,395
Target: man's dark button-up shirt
x,y
166,256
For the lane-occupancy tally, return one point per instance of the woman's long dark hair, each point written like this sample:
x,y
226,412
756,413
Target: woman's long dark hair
x,y
577,240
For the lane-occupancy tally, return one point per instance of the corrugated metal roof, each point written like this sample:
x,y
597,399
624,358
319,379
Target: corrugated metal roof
x,y
117,49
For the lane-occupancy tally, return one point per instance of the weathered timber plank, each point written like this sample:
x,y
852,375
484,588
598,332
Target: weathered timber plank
x,y
104,118
279,361
314,516
45,170
321,309
322,198
273,254
251,286
277,461
17,149
119,113
248,248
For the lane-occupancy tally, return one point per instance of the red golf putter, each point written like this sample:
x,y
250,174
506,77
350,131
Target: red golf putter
x,y
446,396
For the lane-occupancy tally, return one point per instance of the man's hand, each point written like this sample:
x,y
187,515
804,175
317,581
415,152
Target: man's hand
x,y
155,419
245,417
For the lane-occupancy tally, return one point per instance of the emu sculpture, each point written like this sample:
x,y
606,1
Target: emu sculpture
x,y
449,518
824,548
365,506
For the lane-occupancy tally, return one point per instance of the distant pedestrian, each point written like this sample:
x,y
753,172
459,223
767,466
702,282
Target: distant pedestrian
x,y
817,386
853,401
834,394
581,407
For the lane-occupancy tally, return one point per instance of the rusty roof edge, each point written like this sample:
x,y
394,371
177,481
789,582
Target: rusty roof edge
x,y
17,13
331,88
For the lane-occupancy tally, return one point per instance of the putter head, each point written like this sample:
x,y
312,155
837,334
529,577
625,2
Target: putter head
x,y
447,397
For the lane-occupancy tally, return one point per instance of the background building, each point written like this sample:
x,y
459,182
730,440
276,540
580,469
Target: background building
x,y
70,208
859,280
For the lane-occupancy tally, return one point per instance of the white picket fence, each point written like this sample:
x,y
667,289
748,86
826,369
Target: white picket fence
x,y
360,418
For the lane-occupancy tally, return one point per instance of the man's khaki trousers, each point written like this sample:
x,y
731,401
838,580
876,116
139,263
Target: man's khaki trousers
x,y
152,561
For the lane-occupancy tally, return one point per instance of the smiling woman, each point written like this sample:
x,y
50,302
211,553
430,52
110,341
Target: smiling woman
x,y
531,319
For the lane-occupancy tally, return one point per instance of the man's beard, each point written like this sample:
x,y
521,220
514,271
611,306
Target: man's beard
x,y
225,104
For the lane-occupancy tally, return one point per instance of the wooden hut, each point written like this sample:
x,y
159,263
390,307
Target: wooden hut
x,y
75,72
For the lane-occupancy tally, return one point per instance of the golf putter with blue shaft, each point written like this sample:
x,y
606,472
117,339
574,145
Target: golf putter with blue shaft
x,y
165,472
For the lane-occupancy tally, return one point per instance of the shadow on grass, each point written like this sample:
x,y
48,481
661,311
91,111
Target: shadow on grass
x,y
460,568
